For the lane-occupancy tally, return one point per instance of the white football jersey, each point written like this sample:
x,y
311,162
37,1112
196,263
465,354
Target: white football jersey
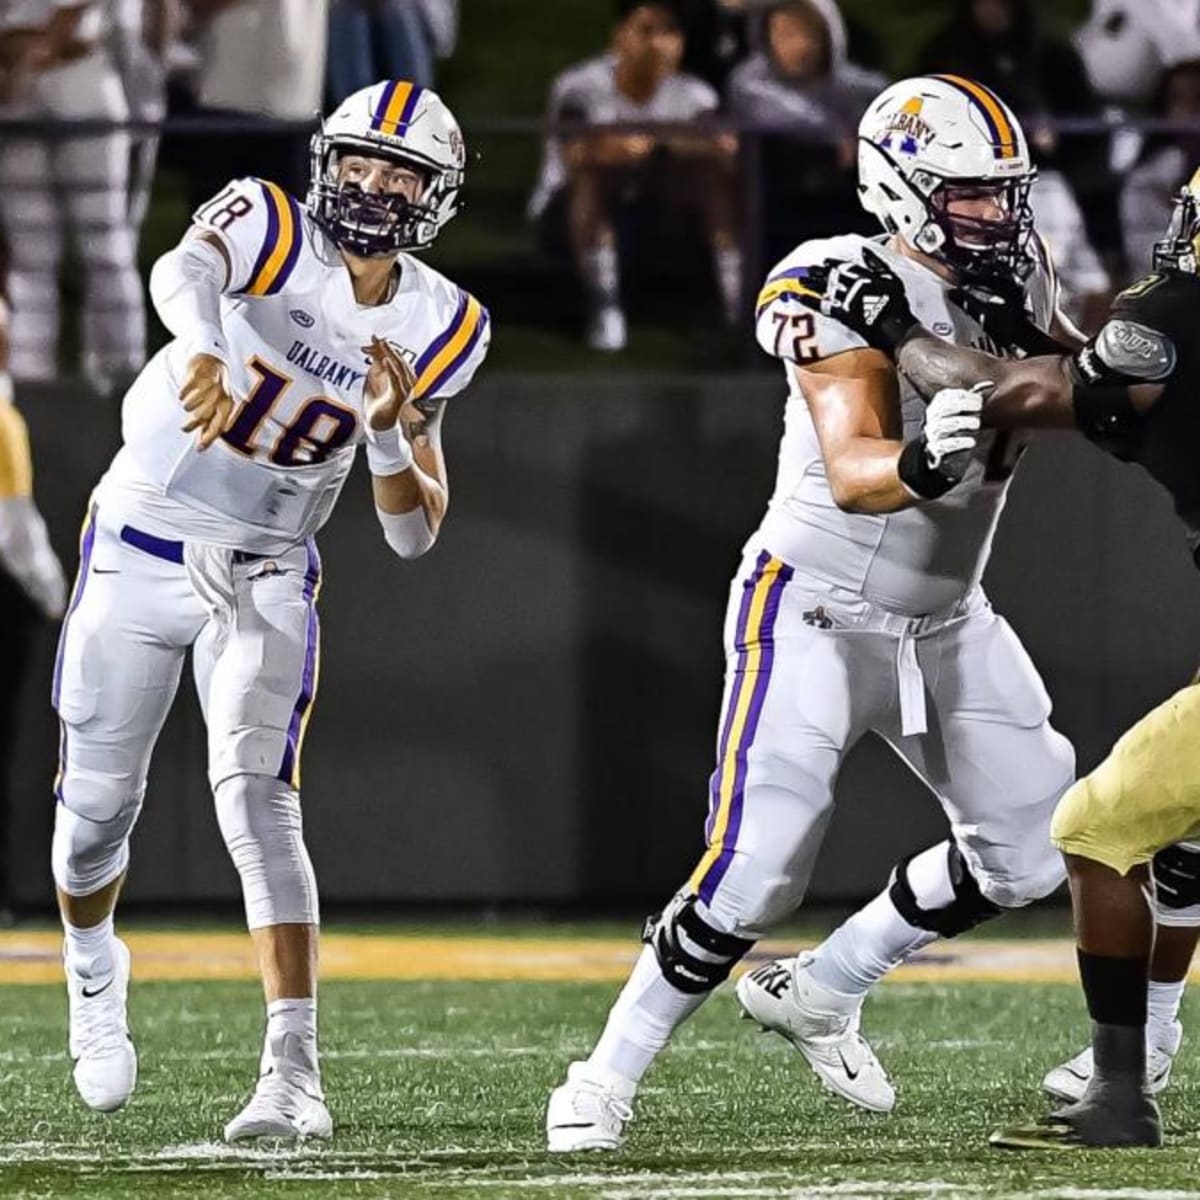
x,y
297,339
924,558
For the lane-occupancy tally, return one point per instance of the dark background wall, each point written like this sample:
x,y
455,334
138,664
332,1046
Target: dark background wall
x,y
528,713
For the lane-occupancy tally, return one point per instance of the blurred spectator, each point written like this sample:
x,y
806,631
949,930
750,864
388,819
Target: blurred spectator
x,y
32,587
801,79
57,71
1085,287
1128,44
141,36
260,59
588,177
1166,163
371,40
1000,44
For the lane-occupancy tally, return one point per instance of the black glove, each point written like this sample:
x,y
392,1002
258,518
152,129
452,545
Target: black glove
x,y
1177,877
867,297
999,308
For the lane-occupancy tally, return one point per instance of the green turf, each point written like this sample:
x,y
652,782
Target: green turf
x,y
438,1090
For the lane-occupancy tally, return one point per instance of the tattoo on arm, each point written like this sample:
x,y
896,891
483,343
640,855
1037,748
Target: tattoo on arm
x,y
931,364
423,429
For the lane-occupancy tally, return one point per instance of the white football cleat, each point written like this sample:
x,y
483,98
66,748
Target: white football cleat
x,y
589,1111
822,1024
284,1105
1068,1081
606,328
105,1060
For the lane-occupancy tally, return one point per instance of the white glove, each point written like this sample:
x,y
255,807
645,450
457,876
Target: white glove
x,y
952,424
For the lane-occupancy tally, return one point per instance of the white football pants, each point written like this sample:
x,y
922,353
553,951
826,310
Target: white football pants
x,y
811,668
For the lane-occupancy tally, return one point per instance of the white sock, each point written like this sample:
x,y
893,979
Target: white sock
x,y
291,1039
728,263
1163,1009
641,1022
864,948
90,951
602,275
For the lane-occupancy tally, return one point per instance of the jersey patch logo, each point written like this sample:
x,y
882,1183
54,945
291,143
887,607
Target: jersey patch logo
x,y
307,320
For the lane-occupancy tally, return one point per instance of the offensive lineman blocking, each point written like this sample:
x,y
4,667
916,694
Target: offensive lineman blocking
x,y
327,334
858,607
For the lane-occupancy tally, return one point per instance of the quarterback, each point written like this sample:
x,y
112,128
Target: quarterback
x,y
858,608
1128,828
299,332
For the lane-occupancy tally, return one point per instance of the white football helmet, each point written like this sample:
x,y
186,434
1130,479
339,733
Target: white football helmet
x,y
928,142
396,120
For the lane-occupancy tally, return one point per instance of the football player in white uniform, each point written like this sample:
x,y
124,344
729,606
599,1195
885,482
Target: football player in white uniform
x,y
858,608
300,331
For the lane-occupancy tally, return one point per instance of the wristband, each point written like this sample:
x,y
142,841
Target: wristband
x,y
918,476
389,452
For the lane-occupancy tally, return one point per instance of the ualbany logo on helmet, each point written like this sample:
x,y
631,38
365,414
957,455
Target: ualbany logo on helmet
x,y
906,130
943,163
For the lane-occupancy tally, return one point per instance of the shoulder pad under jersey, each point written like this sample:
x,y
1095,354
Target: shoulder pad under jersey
x,y
262,229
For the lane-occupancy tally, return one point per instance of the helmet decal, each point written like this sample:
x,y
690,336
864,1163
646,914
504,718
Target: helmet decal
x,y
907,127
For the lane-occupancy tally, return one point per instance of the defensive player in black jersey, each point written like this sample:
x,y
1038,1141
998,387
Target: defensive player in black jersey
x,y
1134,390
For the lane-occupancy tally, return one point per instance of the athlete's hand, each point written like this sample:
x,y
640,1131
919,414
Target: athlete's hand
x,y
205,394
952,423
386,398
389,385
869,298
998,307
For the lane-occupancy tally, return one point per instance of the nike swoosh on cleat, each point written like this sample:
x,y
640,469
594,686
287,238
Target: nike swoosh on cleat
x,y
105,571
89,995
577,1125
851,1075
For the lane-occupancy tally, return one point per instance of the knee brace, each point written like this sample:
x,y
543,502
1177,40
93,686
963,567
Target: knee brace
x,y
968,908
92,823
1177,885
693,955
260,821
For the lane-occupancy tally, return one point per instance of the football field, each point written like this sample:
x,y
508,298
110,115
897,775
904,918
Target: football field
x,y
440,1048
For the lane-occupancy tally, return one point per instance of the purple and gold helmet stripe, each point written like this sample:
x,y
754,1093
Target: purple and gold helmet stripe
x,y
396,108
452,347
87,540
792,282
289,767
755,644
281,245
995,116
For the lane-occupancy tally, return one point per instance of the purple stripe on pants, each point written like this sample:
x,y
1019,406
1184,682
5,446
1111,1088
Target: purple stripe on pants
x,y
86,542
739,641
762,681
291,750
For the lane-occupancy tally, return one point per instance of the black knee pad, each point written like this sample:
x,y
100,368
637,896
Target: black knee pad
x,y
1177,877
970,907
673,932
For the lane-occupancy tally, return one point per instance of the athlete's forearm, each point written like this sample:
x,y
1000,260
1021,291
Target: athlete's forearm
x,y
1029,393
185,286
863,477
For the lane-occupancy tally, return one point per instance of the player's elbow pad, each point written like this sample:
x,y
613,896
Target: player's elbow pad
x,y
408,533
185,286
